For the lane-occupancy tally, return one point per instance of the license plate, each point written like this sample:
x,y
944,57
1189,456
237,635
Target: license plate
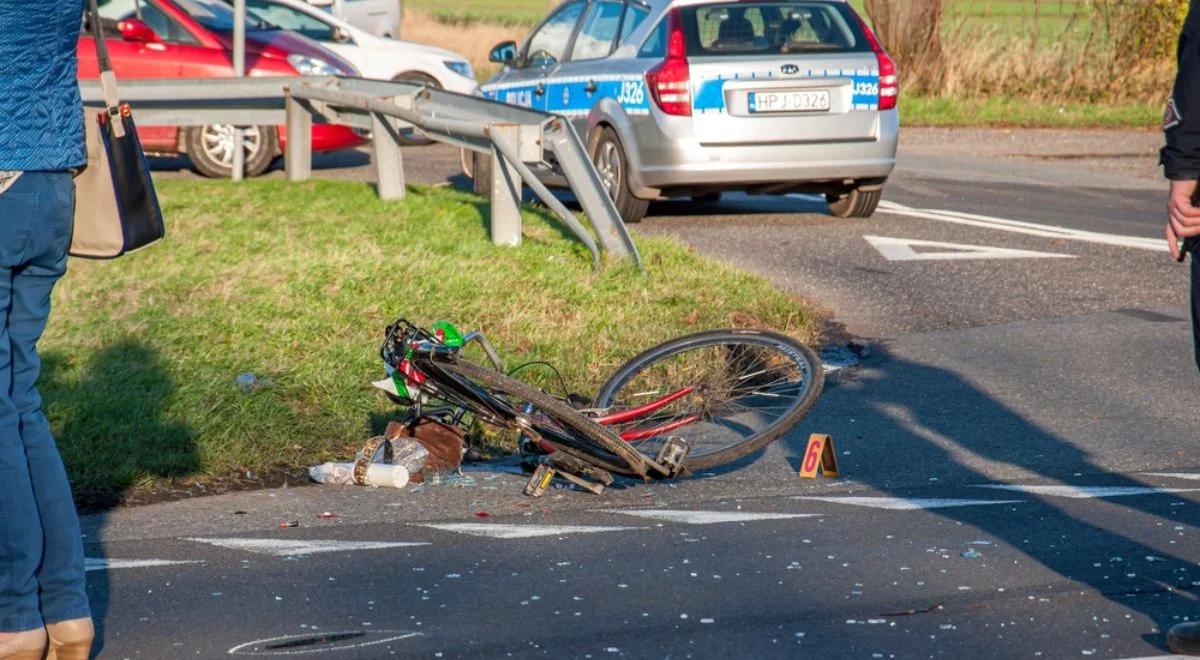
x,y
810,101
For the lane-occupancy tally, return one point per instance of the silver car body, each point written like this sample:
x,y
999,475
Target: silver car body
x,y
723,145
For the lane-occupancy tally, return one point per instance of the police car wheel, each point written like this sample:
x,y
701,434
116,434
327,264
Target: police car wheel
x,y
613,167
854,204
481,173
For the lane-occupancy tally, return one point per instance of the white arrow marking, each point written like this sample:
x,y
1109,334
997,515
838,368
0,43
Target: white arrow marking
x,y
901,249
1081,492
706,517
1028,228
103,564
905,503
521,531
1176,475
282,548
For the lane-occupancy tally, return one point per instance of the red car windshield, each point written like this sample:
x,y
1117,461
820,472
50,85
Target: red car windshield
x,y
213,15
217,16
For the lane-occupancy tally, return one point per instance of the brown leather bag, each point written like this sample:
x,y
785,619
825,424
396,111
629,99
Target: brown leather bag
x,y
444,443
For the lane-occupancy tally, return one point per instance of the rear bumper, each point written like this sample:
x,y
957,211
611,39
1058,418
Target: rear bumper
x,y
327,137
666,162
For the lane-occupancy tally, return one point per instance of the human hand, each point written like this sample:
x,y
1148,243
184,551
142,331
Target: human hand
x,y
1183,217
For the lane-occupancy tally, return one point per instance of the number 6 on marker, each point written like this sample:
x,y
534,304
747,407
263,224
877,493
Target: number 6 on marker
x,y
819,454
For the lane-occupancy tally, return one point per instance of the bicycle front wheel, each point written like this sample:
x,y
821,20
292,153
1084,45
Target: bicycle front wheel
x,y
729,392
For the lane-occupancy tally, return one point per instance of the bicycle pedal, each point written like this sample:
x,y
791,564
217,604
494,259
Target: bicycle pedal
x,y
673,454
539,481
564,462
592,488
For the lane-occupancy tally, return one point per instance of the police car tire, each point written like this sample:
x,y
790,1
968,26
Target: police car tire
x,y
481,173
630,208
413,139
855,204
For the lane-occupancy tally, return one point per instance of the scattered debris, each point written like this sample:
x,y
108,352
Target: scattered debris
x,y
326,515
972,554
482,514
247,382
284,524
911,612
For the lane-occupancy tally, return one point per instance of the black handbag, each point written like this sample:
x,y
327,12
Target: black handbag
x,y
116,208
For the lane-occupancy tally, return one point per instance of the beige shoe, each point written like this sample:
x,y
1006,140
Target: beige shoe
x,y
25,645
70,640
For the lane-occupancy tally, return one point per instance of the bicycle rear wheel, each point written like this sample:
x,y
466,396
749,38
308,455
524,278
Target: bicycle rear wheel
x,y
558,423
730,393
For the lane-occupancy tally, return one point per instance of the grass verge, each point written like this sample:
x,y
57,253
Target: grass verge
x,y
1015,112
295,283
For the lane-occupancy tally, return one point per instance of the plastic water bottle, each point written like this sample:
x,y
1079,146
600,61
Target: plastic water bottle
x,y
341,474
409,453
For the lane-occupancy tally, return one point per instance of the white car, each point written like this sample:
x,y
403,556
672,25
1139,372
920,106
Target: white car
x,y
379,17
375,57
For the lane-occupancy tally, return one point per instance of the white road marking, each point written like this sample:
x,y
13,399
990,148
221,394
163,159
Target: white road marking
x,y
521,531
284,548
901,249
1081,492
905,503
105,564
247,648
1027,228
706,517
1193,476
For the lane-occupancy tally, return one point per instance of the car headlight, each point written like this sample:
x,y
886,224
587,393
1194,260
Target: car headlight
x,y
461,68
312,66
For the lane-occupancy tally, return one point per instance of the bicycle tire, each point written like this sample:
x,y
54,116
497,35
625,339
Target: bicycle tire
x,y
733,337
594,438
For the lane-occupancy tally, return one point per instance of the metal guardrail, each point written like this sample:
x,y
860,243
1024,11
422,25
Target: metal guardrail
x,y
514,137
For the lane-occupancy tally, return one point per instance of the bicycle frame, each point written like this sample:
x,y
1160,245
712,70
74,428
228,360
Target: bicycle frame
x,y
427,352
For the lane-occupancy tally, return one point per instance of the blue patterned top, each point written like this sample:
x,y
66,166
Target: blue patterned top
x,y
41,116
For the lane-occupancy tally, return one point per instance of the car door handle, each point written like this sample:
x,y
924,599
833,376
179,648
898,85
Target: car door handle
x,y
539,90
591,87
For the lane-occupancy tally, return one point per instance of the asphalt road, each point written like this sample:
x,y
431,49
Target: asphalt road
x,y
1017,445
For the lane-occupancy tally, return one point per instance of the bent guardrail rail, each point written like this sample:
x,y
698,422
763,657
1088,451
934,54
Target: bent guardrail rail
x,y
514,137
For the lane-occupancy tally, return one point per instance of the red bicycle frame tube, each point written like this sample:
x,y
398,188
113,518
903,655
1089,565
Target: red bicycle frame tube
x,y
647,409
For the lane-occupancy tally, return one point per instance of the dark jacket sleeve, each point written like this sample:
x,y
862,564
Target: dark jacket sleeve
x,y
1181,121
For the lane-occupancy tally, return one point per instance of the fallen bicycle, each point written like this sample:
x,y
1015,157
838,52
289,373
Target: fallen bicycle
x,y
692,403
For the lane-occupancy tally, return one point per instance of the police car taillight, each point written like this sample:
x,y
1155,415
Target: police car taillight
x,y
889,81
670,81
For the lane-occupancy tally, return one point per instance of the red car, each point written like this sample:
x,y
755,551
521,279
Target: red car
x,y
194,39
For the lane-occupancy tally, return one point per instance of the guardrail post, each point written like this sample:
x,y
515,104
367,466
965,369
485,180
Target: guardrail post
x,y
506,190
389,163
298,159
561,139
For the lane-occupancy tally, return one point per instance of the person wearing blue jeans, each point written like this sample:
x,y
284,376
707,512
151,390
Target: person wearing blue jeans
x,y
44,609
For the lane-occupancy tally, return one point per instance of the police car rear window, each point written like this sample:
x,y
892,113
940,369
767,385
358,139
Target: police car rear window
x,y
772,28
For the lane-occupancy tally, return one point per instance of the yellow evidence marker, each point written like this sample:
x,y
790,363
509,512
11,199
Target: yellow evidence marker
x,y
821,455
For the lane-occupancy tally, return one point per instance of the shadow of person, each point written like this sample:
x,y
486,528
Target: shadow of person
x,y
913,426
108,415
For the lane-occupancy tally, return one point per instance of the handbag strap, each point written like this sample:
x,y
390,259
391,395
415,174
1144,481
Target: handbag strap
x,y
108,79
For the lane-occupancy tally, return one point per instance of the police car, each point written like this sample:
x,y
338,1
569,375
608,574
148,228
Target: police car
x,y
691,98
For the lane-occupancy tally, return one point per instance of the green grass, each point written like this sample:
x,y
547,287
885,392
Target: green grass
x,y
1005,111
295,283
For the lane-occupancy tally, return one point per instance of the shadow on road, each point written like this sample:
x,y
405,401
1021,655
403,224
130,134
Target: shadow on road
x,y
109,418
945,417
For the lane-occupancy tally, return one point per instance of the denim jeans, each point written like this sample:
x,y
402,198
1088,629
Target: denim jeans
x,y
41,549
